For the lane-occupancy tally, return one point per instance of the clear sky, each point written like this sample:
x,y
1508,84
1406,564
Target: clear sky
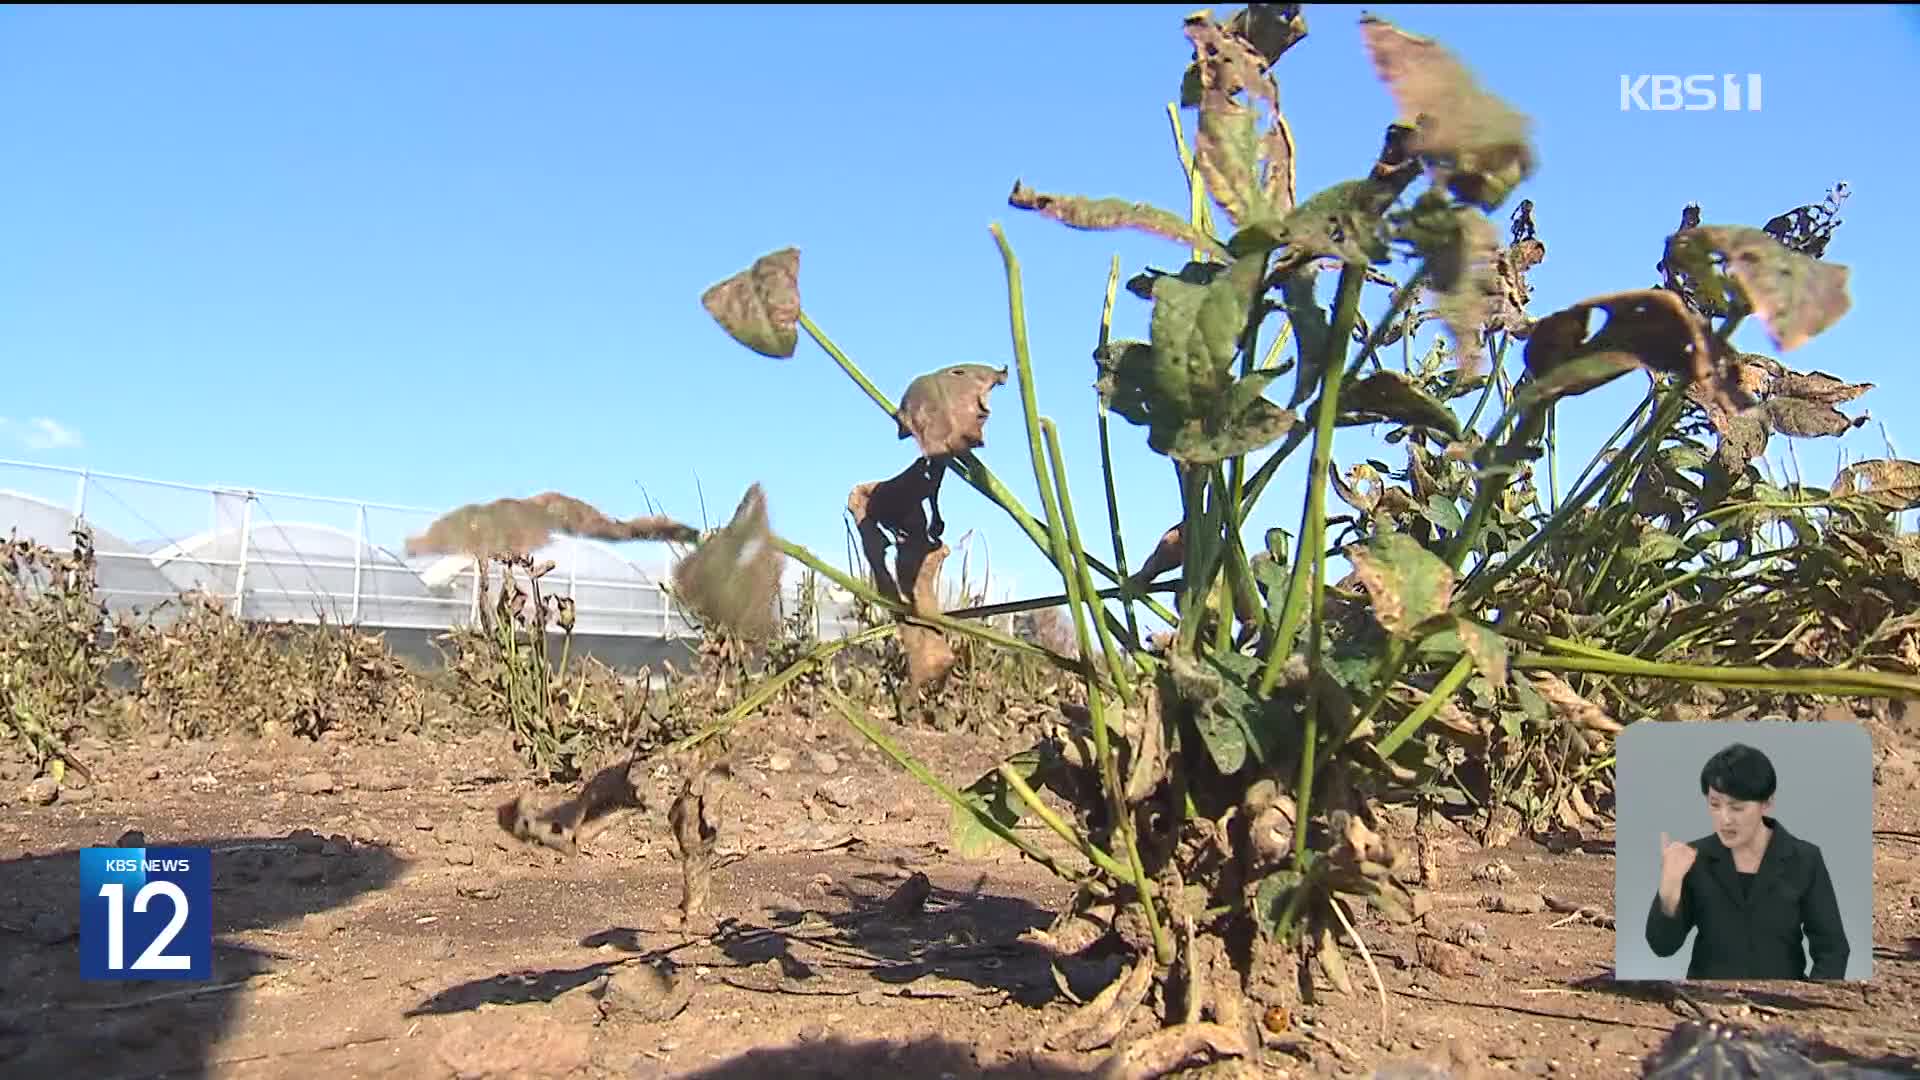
x,y
438,255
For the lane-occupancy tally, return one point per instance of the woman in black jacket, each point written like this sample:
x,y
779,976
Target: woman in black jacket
x,y
1751,888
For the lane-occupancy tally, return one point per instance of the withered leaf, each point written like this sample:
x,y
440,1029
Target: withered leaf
x,y
1806,419
1407,583
1569,707
946,411
1271,29
929,657
1892,484
1081,212
1651,328
1249,172
521,526
1795,295
1464,273
760,306
1816,386
1243,422
1392,396
1480,143
732,579
895,511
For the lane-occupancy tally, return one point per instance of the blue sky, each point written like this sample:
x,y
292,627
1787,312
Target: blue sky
x,y
437,255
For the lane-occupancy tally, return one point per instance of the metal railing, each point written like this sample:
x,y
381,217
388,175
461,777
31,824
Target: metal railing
x,y
287,557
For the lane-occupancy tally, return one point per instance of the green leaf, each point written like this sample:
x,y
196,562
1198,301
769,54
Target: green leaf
x,y
760,306
1226,153
1195,331
1407,583
1531,703
1444,512
1080,212
1345,221
1270,900
992,795
1389,395
1655,545
1479,143
1488,649
1204,692
1244,422
1795,295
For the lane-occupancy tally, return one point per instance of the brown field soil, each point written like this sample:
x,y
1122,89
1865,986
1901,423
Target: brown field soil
x,y
372,919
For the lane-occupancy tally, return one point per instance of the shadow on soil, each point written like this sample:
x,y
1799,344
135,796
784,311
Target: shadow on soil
x,y
833,1059
951,943
54,1024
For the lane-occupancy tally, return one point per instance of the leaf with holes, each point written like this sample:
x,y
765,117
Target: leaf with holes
x,y
945,411
1407,583
760,306
1650,328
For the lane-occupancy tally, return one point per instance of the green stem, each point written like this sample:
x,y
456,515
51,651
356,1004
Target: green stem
x,y
1310,550
921,773
1106,456
764,693
939,622
1833,681
971,469
1031,799
1102,747
1442,693
1082,580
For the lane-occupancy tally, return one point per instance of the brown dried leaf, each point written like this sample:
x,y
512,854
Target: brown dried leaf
x,y
1891,483
1806,419
1570,707
1816,386
894,511
760,306
1167,555
1480,142
946,411
521,526
1080,212
1407,583
1797,296
929,657
1651,328
732,579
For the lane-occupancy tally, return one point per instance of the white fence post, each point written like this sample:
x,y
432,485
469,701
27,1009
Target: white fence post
x,y
359,560
246,541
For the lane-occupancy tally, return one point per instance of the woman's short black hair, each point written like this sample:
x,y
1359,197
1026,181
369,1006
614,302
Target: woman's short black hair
x,y
1741,772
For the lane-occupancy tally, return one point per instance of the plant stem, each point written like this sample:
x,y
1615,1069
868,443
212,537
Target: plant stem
x,y
921,773
939,622
1442,693
763,693
1106,456
971,469
1314,517
1031,799
1081,583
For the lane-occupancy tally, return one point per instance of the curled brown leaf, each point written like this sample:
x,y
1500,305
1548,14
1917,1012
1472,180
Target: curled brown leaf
x,y
945,411
521,526
760,306
1891,483
731,581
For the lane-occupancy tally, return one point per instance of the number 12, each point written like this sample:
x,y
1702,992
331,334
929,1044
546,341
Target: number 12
x,y
153,958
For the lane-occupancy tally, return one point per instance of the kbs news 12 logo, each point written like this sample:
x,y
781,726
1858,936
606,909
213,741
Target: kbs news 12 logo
x,y
145,913
1689,93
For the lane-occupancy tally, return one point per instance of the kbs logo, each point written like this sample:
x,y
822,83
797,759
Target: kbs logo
x,y
1691,93
150,906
